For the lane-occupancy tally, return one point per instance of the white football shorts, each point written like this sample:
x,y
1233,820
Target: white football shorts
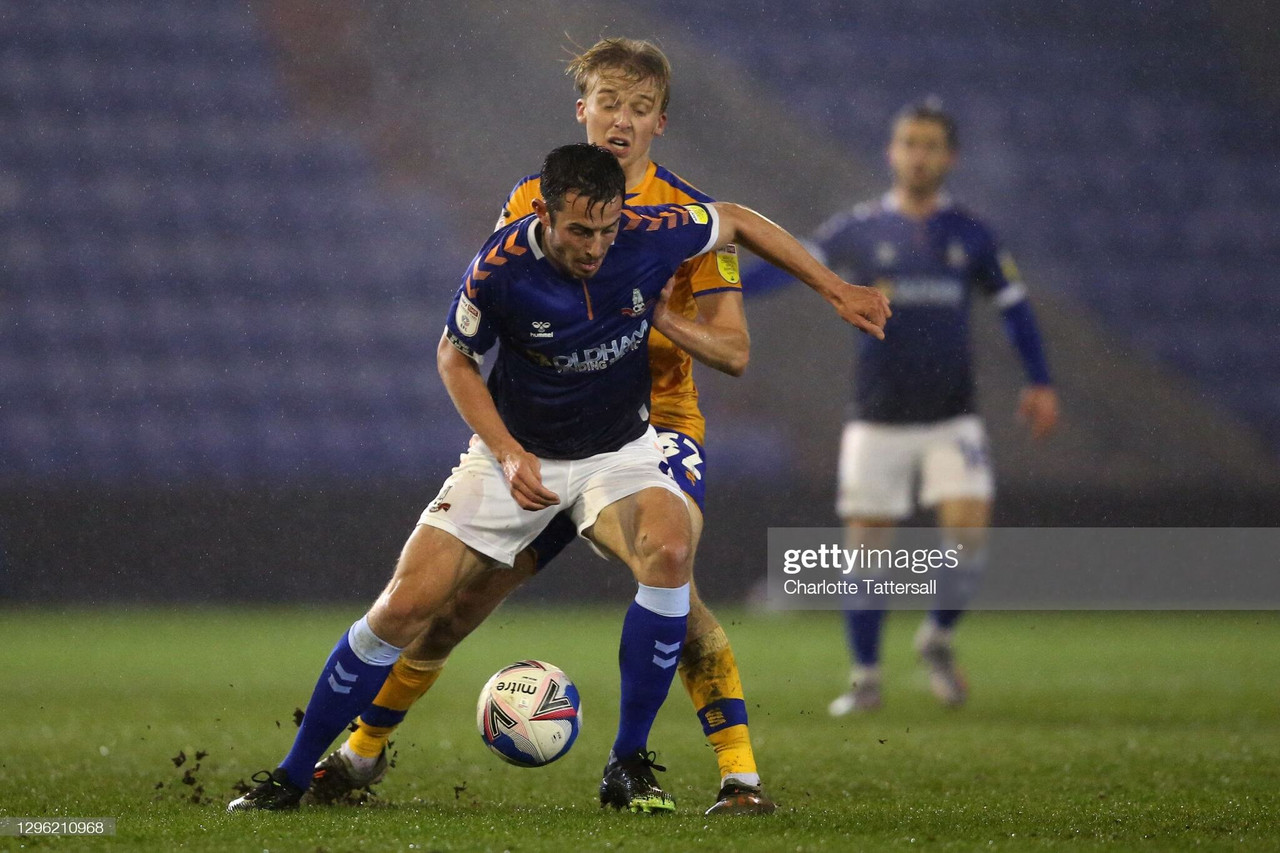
x,y
475,505
879,464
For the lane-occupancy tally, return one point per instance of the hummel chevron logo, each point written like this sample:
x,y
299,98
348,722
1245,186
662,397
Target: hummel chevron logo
x,y
666,649
345,676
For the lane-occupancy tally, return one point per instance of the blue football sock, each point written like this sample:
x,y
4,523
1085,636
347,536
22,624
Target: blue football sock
x,y
351,678
652,635
863,628
956,588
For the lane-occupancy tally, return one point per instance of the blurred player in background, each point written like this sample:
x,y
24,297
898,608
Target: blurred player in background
x,y
914,413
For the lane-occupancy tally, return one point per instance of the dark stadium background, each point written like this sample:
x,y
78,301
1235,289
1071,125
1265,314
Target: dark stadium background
x,y
229,231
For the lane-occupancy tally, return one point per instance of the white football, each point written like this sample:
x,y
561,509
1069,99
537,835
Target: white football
x,y
529,713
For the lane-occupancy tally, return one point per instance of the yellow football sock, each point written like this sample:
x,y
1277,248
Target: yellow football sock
x,y
405,684
710,674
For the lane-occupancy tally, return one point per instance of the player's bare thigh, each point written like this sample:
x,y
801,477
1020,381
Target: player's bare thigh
x,y
433,567
649,531
873,531
965,520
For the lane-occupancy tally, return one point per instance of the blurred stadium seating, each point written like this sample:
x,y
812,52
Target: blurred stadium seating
x,y
198,288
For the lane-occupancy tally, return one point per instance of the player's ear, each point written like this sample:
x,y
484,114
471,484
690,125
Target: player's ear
x,y
661,126
541,211
580,111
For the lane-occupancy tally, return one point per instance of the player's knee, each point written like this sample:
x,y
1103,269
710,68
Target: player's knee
x,y
666,561
400,616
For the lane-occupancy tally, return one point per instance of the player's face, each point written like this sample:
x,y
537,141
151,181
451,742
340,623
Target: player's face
x,y
919,155
623,117
578,235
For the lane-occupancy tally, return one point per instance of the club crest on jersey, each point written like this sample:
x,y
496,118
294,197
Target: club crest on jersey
x,y
541,329
638,304
957,257
886,254
467,316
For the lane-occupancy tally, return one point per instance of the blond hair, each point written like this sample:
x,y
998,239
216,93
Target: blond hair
x,y
634,60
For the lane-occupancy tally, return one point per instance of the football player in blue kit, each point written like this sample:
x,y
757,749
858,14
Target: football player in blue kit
x,y
914,411
571,294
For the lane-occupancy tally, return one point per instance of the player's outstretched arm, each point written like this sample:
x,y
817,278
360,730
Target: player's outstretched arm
x,y
717,336
473,401
863,307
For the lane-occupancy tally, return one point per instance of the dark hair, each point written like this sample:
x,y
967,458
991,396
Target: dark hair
x,y
930,109
631,59
585,169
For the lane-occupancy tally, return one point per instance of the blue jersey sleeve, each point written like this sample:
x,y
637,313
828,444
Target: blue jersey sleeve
x,y
676,231
997,274
472,325
993,268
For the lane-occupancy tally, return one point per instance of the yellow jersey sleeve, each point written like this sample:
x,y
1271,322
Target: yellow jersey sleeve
x,y
709,273
715,271
519,203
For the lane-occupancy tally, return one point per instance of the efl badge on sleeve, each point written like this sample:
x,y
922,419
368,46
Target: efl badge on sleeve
x,y
699,213
1009,268
467,316
727,263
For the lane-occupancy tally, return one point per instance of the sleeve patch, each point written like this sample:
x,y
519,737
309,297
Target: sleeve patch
x,y
727,263
1009,268
467,317
461,346
699,213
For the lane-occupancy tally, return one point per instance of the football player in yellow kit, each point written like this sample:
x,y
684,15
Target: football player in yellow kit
x,y
625,87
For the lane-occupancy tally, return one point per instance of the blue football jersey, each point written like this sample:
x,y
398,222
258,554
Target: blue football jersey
x,y
572,373
922,370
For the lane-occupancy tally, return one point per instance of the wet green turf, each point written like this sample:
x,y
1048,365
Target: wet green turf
x,y
1085,731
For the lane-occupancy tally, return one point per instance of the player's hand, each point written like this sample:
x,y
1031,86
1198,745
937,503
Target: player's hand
x,y
523,474
1038,408
863,307
661,309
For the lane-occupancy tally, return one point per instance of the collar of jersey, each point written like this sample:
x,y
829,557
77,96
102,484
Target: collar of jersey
x,y
890,204
531,234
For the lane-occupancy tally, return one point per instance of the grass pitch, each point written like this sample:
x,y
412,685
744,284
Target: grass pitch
x,y
1084,731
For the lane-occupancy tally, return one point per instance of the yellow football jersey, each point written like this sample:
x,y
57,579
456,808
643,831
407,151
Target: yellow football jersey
x,y
674,399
